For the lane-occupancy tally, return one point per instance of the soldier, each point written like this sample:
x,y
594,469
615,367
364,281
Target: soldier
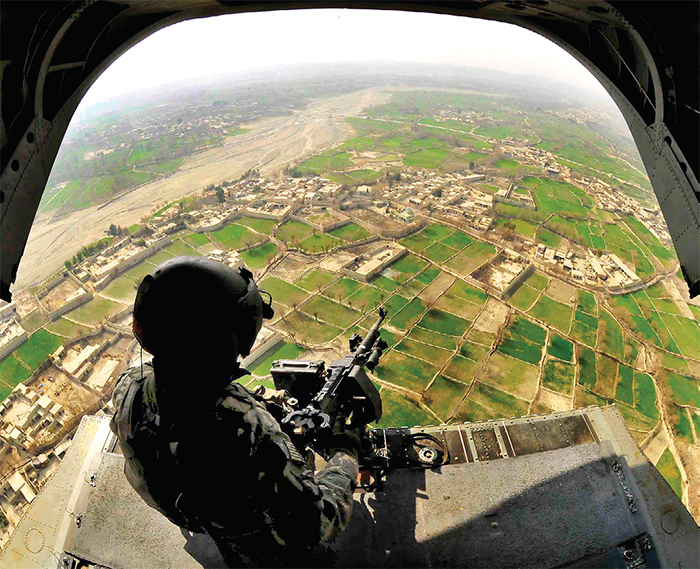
x,y
202,449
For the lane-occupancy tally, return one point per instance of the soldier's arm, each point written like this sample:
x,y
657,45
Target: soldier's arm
x,y
308,507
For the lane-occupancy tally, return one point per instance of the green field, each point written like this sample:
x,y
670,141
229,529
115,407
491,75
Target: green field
x,y
674,363
329,311
400,411
584,328
409,314
432,354
366,299
283,292
443,322
37,348
461,369
433,338
511,375
234,236
139,271
444,395
66,328
467,292
95,311
587,302
610,338
178,247
486,402
319,242
428,158
668,468
625,386
263,226
521,349
547,237
439,253
293,231
524,297
282,351
457,240
343,288
394,305
409,265
197,239
471,257
351,232
553,312
473,351
122,289
305,328
405,371
428,275
560,348
645,396
684,390
259,257
13,372
587,368
680,424
559,376
385,283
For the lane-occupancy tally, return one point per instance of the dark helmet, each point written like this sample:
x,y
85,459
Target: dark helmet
x,y
193,303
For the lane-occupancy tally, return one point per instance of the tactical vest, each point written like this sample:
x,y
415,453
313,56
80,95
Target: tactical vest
x,y
135,416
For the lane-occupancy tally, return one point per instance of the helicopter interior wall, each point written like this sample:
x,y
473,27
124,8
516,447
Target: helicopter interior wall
x,y
630,47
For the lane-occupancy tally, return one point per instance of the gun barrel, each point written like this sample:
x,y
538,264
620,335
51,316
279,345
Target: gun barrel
x,y
373,333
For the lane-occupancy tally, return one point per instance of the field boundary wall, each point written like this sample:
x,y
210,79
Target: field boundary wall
x,y
75,303
517,281
267,346
11,346
131,261
230,218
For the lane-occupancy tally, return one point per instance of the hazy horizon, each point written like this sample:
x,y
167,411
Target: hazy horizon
x,y
206,48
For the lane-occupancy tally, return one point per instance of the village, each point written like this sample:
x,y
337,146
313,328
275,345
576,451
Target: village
x,y
78,376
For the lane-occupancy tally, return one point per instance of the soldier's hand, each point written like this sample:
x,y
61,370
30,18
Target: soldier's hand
x,y
347,441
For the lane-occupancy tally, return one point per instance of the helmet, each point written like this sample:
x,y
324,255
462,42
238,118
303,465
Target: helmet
x,y
193,303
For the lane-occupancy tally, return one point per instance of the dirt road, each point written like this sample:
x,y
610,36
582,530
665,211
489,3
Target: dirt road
x,y
269,146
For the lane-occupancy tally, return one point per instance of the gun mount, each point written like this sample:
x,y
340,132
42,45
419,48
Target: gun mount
x,y
566,489
343,391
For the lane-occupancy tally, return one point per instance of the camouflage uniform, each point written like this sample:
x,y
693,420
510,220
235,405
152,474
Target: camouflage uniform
x,y
230,472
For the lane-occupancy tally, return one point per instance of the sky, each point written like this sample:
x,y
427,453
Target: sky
x,y
242,42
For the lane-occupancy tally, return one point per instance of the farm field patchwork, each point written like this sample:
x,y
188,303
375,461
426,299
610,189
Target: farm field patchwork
x,y
559,376
94,311
12,372
400,411
258,257
487,402
552,312
444,395
329,311
306,328
37,348
405,371
283,292
283,351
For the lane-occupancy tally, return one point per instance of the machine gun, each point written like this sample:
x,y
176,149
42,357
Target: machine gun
x,y
343,392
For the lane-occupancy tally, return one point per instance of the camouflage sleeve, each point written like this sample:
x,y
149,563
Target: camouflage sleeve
x,y
305,508
337,482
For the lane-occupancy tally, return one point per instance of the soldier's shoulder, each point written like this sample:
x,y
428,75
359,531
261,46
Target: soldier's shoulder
x,y
136,373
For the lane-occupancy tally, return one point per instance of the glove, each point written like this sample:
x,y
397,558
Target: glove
x,y
346,441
